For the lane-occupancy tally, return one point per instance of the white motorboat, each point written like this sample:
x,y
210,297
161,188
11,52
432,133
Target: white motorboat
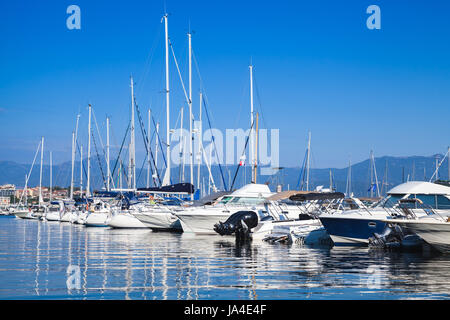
x,y
98,214
355,227
433,229
122,219
287,216
55,211
158,217
201,219
34,213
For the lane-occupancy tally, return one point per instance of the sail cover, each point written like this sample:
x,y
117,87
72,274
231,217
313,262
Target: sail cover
x,y
173,188
317,196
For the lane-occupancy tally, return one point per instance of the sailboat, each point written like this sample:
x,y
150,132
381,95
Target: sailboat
x,y
34,212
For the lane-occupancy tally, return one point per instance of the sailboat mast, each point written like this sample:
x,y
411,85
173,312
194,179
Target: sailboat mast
x,y
88,184
81,171
132,142
181,142
255,166
51,164
166,180
156,148
107,155
73,163
371,173
40,174
199,141
148,148
251,151
308,159
191,153
74,146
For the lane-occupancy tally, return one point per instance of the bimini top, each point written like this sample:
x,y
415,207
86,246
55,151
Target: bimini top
x,y
253,190
317,196
286,194
209,199
420,187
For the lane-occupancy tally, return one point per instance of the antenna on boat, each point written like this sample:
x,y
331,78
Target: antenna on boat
x,y
348,190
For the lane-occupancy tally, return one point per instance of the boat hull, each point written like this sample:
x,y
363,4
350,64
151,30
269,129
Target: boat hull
x,y
435,234
125,220
201,223
352,231
96,219
159,221
25,215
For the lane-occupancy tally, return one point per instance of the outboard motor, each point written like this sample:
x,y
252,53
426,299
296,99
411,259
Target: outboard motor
x,y
239,223
390,238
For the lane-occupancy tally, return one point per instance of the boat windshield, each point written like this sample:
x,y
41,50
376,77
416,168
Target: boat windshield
x,y
246,200
434,201
390,201
225,200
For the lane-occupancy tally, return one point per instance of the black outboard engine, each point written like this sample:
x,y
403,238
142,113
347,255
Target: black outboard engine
x,y
239,223
391,238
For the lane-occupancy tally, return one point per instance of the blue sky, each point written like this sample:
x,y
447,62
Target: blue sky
x,y
317,67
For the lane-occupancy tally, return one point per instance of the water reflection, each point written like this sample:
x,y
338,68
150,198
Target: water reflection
x,y
141,264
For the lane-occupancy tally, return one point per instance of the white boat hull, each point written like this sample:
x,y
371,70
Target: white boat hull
x,y
162,220
96,219
26,215
434,233
125,220
53,216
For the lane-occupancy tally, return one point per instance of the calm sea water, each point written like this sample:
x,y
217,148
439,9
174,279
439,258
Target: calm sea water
x,y
35,257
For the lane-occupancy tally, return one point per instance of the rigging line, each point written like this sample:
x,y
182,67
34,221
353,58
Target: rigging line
x,y
179,74
29,173
84,167
149,59
259,100
301,176
142,168
244,90
242,155
215,146
160,143
145,138
98,159
120,150
439,165
98,132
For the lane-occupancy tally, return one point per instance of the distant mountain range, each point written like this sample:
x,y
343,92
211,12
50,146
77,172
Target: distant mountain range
x,y
399,169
